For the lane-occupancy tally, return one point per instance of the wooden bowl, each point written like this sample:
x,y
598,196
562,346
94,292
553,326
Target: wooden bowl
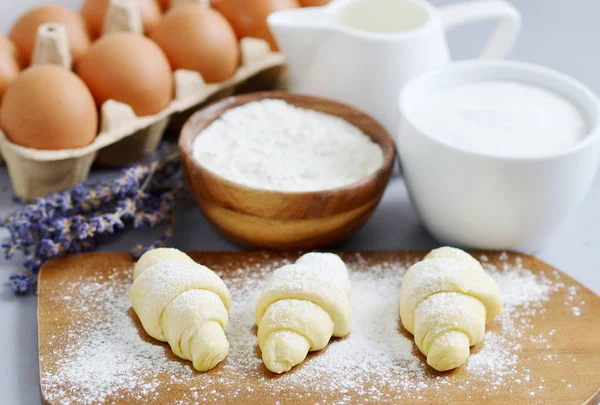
x,y
285,220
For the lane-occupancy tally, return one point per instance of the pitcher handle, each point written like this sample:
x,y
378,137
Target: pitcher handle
x,y
505,35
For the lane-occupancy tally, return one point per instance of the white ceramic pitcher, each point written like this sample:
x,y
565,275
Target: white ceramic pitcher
x,y
362,52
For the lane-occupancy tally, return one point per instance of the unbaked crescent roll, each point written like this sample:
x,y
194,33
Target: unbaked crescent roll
x,y
446,300
183,303
302,307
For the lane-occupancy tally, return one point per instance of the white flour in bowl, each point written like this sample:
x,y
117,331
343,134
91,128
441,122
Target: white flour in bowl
x,y
502,118
273,145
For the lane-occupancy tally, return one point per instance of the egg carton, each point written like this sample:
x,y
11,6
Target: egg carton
x,y
124,137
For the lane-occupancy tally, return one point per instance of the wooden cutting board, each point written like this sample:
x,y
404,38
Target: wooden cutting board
x,y
554,344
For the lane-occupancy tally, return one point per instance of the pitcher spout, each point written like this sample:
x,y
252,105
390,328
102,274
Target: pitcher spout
x,y
307,18
298,30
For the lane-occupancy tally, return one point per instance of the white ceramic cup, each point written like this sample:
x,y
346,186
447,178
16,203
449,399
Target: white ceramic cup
x,y
493,202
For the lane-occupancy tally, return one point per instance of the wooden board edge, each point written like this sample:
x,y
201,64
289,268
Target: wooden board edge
x,y
594,400
546,264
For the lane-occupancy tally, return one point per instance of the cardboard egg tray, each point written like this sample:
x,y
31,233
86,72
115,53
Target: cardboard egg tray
x,y
125,138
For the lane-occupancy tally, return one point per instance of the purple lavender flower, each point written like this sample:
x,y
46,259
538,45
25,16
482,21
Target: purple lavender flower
x,y
73,221
49,248
62,228
20,283
139,250
127,208
106,223
32,263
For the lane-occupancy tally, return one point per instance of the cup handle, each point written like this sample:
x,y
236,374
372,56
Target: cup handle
x,y
505,35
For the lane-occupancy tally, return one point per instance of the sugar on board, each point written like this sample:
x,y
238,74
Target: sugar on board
x,y
107,357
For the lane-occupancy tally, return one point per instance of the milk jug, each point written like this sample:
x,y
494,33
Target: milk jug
x,y
362,52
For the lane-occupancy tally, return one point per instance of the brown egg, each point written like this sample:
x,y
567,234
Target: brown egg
x,y
128,68
164,4
249,18
198,38
313,3
49,107
9,63
94,12
24,31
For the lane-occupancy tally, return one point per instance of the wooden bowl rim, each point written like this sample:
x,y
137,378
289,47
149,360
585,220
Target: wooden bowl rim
x,y
214,111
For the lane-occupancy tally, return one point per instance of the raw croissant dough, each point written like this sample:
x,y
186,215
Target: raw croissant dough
x,y
303,305
183,303
446,300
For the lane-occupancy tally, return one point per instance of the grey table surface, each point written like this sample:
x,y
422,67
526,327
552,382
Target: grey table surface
x,y
562,34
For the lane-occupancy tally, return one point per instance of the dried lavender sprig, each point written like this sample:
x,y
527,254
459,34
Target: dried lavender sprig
x,y
83,200
139,250
143,195
20,283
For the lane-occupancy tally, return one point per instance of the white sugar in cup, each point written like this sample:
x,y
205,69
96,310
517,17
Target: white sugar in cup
x,y
474,196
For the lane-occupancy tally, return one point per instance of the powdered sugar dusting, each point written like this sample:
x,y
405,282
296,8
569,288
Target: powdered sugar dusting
x,y
107,358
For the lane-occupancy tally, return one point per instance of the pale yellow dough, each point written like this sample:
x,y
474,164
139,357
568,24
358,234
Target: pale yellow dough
x,y
446,300
183,303
302,307
158,255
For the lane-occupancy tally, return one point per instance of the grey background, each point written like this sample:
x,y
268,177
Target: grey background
x,y
562,34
